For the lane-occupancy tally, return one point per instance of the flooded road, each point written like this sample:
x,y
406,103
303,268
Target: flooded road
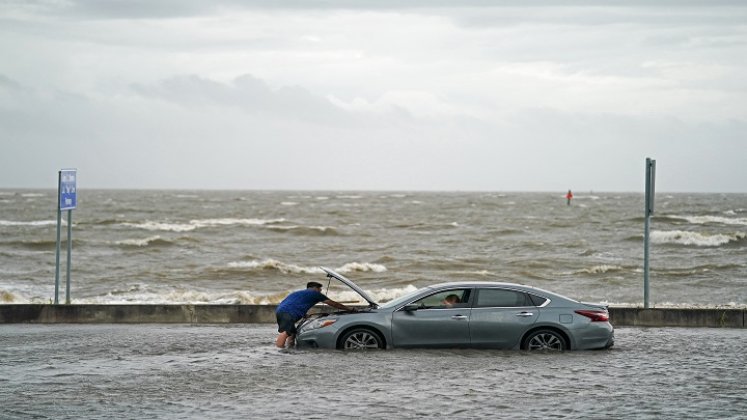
x,y
182,371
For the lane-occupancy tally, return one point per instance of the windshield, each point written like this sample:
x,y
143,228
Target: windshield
x,y
402,299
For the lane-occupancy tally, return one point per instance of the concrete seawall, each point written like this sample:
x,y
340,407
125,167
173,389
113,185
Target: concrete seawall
x,y
229,314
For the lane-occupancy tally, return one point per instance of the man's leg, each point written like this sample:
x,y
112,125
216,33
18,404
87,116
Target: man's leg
x,y
280,342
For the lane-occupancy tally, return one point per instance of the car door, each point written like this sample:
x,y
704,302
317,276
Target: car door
x,y
433,321
500,317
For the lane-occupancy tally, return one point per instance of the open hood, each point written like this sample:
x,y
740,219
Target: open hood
x,y
350,284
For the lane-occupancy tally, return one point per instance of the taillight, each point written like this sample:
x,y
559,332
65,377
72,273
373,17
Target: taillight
x,y
595,315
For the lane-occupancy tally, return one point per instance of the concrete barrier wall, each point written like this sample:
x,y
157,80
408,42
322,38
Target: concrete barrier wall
x,y
227,314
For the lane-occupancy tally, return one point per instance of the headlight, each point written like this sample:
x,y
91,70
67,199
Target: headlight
x,y
318,323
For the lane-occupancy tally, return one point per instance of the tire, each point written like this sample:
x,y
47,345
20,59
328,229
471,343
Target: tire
x,y
361,339
545,340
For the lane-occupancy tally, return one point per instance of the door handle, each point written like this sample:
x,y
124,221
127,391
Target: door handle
x,y
458,317
525,314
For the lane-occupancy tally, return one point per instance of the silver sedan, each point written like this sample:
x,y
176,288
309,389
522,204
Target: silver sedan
x,y
463,314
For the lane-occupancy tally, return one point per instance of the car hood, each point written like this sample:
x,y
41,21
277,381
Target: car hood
x,y
350,284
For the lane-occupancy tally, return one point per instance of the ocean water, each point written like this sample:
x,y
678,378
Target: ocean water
x,y
233,372
151,246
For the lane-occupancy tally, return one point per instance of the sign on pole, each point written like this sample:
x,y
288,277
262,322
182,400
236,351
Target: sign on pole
x,y
67,192
68,189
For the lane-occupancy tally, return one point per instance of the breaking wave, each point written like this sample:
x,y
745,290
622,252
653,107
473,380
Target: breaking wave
x,y
703,220
202,223
305,230
10,297
32,223
272,264
152,240
600,269
681,237
361,267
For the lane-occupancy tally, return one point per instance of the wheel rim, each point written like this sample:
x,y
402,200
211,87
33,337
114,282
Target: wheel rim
x,y
547,342
361,340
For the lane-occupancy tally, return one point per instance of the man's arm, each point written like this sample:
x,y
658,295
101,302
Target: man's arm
x,y
337,305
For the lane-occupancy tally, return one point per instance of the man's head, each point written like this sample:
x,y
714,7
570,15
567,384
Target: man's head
x,y
314,285
451,299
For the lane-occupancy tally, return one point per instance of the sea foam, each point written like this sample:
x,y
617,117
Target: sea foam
x,y
702,220
272,264
681,237
202,223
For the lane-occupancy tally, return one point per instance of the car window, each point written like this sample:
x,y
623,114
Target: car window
x,y
536,300
454,298
501,298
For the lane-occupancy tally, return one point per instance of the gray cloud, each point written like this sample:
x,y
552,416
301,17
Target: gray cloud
x,y
146,9
427,96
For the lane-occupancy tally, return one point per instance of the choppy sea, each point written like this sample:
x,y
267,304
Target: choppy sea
x,y
147,246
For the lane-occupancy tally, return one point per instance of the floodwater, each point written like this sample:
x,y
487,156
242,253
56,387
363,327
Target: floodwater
x,y
183,371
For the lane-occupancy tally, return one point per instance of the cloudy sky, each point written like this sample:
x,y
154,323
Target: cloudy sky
x,y
383,95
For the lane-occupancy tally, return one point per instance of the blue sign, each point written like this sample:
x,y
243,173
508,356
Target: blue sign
x,y
68,189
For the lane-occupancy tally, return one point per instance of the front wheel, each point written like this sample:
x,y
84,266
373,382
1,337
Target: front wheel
x,y
547,340
361,339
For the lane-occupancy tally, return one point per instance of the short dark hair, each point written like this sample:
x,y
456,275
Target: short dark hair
x,y
313,284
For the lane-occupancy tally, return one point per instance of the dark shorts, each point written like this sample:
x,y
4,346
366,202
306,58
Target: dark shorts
x,y
286,323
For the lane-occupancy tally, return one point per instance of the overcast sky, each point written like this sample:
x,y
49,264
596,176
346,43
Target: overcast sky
x,y
490,95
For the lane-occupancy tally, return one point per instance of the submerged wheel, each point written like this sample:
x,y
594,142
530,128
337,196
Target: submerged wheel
x,y
361,339
547,340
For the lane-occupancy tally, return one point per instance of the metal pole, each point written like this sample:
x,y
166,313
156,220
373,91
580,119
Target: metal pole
x,y
648,211
69,253
645,260
57,259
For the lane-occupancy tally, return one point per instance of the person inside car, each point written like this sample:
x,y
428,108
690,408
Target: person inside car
x,y
451,300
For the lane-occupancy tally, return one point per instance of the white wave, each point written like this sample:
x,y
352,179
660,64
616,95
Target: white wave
x,y
360,267
32,223
349,197
229,222
272,264
482,273
201,223
140,295
680,237
138,242
288,203
29,195
702,220
728,305
378,295
322,229
169,227
11,297
600,269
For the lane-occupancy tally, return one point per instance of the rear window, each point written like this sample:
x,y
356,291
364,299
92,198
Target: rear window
x,y
502,298
536,300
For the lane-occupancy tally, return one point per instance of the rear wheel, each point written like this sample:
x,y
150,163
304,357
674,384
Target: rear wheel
x,y
546,340
361,339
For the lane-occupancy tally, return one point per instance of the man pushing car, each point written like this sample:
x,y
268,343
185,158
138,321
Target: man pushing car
x,y
295,306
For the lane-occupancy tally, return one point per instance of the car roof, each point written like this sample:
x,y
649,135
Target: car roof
x,y
523,287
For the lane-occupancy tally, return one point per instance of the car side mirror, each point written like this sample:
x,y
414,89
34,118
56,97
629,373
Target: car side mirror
x,y
411,307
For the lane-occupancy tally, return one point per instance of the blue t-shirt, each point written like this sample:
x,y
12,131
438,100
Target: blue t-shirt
x,y
299,302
